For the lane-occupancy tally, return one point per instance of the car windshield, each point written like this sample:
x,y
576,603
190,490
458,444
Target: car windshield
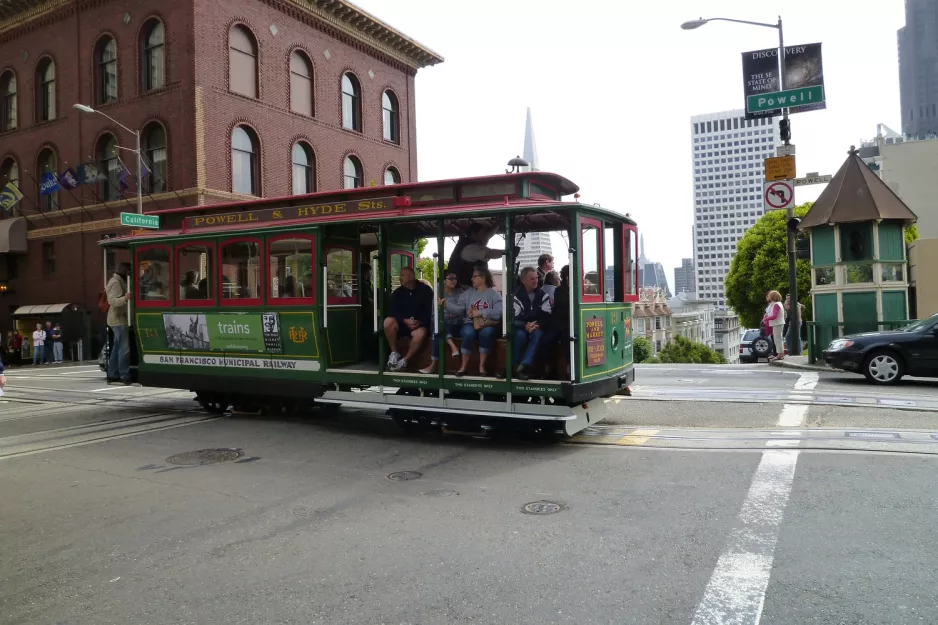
x,y
915,326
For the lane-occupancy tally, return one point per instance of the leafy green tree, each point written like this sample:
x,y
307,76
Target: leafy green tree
x,y
911,233
641,349
682,349
425,268
761,265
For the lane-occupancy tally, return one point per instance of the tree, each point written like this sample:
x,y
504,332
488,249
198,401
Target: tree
x,y
641,349
761,265
682,349
911,233
425,268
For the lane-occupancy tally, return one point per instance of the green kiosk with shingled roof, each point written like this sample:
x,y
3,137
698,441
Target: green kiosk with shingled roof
x,y
859,265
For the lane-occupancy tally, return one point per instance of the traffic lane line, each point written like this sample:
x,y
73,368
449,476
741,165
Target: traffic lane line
x,y
638,437
736,590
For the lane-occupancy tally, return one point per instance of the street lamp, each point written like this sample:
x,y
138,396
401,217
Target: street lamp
x,y
136,133
785,127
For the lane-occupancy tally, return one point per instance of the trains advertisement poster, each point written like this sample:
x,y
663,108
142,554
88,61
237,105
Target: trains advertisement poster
x,y
242,333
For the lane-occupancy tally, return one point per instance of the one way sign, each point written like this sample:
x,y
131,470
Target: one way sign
x,y
778,195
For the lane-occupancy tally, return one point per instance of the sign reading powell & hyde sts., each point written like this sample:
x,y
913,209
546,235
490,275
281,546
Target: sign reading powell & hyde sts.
x,y
315,212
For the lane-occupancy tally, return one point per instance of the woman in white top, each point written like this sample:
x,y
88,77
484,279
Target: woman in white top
x,y
774,321
39,341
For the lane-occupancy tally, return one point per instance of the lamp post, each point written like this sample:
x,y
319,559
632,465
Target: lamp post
x,y
785,132
136,133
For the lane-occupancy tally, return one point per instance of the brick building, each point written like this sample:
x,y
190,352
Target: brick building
x,y
232,100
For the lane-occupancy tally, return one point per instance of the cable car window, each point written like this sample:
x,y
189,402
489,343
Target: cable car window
x,y
609,264
241,270
195,266
629,260
291,269
589,260
153,274
398,261
341,274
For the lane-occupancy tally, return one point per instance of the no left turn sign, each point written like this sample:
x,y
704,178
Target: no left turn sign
x,y
778,194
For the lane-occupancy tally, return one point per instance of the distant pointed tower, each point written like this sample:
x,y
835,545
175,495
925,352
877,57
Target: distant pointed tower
x,y
534,243
530,145
641,249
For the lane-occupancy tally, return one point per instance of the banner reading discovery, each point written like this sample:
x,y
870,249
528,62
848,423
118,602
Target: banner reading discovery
x,y
803,68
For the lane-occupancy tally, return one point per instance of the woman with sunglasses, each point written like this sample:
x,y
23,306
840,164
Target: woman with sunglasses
x,y
482,310
452,318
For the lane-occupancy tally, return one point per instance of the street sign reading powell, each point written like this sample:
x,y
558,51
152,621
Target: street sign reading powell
x,y
803,68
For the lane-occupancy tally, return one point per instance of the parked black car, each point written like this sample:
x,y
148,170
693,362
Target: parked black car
x,y
884,357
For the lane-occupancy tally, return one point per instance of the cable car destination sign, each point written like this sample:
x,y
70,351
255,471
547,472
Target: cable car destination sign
x,y
314,212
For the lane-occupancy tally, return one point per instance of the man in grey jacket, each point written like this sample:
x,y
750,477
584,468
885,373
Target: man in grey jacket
x,y
118,293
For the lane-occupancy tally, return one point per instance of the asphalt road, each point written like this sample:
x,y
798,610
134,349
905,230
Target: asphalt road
x,y
715,510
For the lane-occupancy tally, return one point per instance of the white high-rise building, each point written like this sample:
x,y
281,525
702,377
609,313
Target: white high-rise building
x,y
534,243
728,153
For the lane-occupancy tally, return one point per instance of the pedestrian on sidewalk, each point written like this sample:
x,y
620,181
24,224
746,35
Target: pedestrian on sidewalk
x,y
3,379
39,341
47,354
774,321
58,350
118,294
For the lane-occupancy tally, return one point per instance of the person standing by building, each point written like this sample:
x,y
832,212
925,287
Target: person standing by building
x,y
118,294
39,340
774,320
58,350
3,379
48,353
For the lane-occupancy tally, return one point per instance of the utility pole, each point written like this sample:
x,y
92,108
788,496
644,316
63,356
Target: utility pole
x,y
784,128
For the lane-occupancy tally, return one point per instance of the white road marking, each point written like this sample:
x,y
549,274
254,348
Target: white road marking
x,y
807,381
736,591
793,415
735,594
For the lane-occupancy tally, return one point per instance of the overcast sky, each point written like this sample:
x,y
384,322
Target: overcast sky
x,y
612,86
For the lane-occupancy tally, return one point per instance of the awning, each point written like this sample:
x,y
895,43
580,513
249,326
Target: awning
x,y
13,235
40,309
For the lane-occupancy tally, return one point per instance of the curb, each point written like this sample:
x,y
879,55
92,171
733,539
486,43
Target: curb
x,y
803,367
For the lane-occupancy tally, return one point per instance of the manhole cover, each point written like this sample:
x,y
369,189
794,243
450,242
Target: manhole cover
x,y
542,507
205,456
404,476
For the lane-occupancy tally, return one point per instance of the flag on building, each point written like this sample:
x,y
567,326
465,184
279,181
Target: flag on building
x,y
122,174
9,196
68,179
144,170
49,184
88,173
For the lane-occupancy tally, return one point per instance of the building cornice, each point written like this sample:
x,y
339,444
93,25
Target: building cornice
x,y
337,18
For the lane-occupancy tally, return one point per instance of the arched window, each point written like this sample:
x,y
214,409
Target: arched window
x,y
106,66
354,177
304,169
153,55
153,144
242,61
301,84
392,176
45,90
47,163
391,117
7,101
351,103
105,154
245,152
10,172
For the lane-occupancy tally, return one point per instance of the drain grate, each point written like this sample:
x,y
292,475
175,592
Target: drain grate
x,y
404,476
873,435
205,456
542,507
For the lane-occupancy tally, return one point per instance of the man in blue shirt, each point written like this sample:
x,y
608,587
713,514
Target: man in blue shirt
x,y
411,312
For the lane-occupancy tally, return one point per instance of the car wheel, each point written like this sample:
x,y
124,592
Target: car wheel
x,y
883,367
761,347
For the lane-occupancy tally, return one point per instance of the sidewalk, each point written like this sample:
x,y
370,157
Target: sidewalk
x,y
800,362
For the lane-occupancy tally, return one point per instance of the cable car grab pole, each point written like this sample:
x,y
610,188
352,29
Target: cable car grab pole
x,y
572,336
